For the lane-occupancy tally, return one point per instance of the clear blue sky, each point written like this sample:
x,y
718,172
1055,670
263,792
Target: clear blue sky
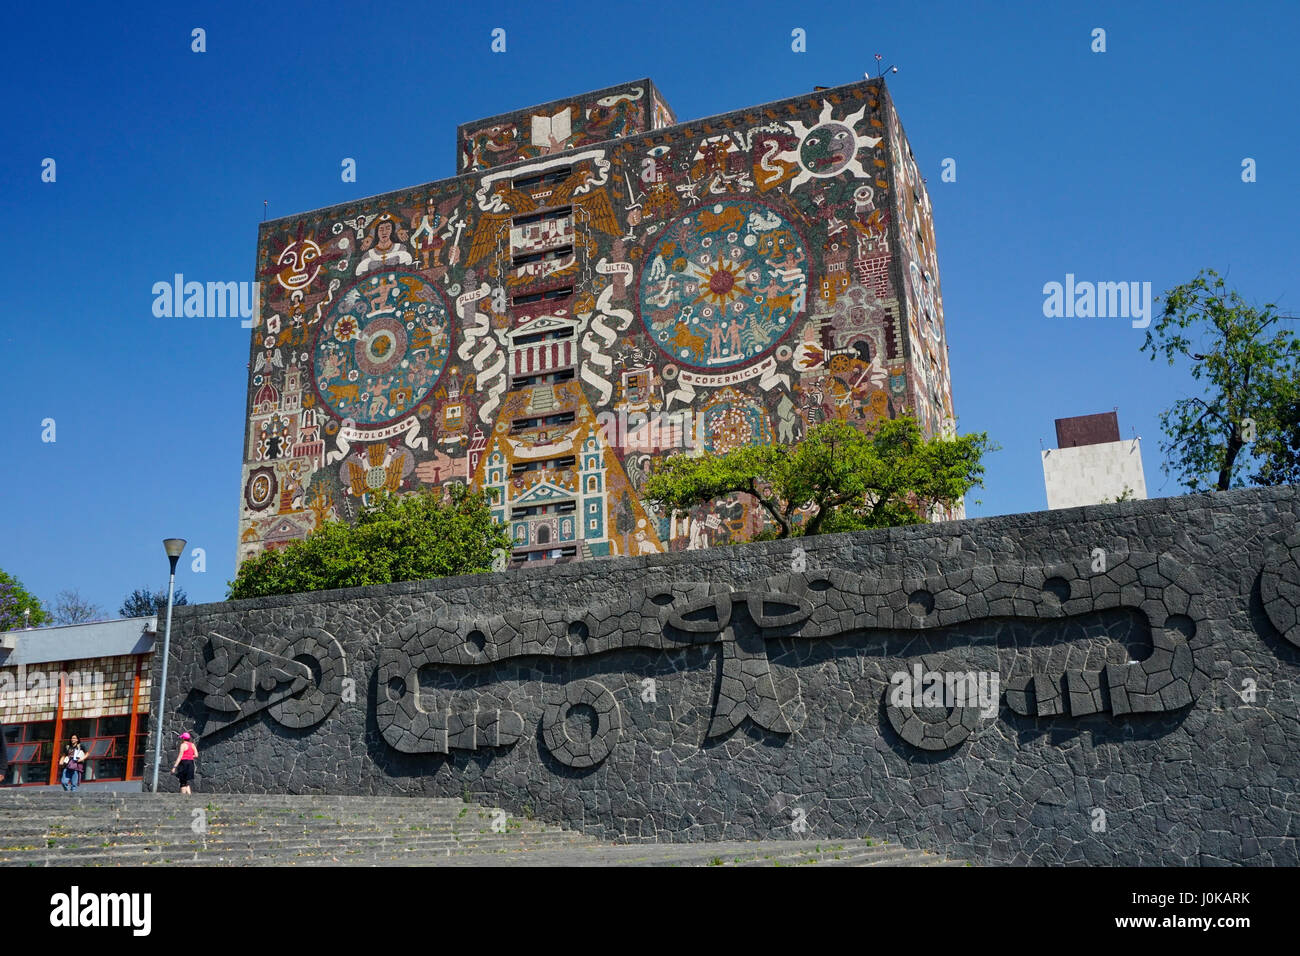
x,y
1115,166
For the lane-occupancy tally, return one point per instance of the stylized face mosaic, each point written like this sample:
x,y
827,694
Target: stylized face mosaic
x,y
382,348
830,147
298,265
827,149
724,284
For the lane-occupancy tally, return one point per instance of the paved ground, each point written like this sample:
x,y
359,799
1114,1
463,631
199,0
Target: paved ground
x,y
46,828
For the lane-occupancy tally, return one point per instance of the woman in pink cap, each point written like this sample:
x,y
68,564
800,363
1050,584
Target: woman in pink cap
x,y
184,765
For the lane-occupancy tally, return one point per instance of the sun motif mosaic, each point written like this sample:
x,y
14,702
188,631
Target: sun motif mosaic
x,y
382,348
830,146
724,284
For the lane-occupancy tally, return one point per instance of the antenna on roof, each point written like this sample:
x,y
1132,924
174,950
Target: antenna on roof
x,y
881,70
263,210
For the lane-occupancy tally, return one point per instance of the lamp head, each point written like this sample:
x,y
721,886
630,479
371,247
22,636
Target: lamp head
x,y
174,547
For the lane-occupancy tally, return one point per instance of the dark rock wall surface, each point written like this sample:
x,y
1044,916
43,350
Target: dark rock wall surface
x,y
1114,684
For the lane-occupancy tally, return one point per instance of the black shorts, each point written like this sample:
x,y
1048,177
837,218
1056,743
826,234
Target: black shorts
x,y
185,772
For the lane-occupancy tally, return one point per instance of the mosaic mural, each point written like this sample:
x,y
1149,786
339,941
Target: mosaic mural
x,y
711,297
564,124
586,301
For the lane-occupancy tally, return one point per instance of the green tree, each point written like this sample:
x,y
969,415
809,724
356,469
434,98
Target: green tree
x,y
14,599
411,537
145,603
1249,365
1279,453
837,479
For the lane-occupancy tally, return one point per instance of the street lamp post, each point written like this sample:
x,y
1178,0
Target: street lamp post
x,y
175,547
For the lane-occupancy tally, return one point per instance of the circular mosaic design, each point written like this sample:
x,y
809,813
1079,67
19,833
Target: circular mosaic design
x,y
260,490
382,348
723,284
827,149
734,424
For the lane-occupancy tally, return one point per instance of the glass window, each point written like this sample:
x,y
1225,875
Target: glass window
x,y
29,747
114,769
114,726
82,728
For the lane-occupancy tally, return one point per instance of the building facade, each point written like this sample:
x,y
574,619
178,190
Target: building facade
x,y
92,680
599,287
1092,464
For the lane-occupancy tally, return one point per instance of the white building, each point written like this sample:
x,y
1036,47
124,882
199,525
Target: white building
x,y
1092,463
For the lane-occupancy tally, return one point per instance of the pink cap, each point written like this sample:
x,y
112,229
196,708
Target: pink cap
x,y
185,736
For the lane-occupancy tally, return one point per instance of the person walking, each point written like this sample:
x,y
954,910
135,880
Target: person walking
x,y
73,763
184,765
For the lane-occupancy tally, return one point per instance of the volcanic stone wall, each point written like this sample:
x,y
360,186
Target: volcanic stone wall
x,y
1112,684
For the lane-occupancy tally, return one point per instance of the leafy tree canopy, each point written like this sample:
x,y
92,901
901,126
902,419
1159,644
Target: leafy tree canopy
x,y
1247,422
838,478
145,603
411,537
1279,452
14,599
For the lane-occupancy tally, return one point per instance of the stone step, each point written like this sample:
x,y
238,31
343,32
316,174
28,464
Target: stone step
x,y
410,807
215,831
269,840
21,795
98,828
274,845
29,824
809,855
83,801
282,857
223,823
620,855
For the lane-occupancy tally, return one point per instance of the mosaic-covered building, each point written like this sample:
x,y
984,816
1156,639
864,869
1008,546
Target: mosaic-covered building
x,y
599,287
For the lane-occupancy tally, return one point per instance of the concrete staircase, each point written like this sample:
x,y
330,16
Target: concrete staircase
x,y
137,829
